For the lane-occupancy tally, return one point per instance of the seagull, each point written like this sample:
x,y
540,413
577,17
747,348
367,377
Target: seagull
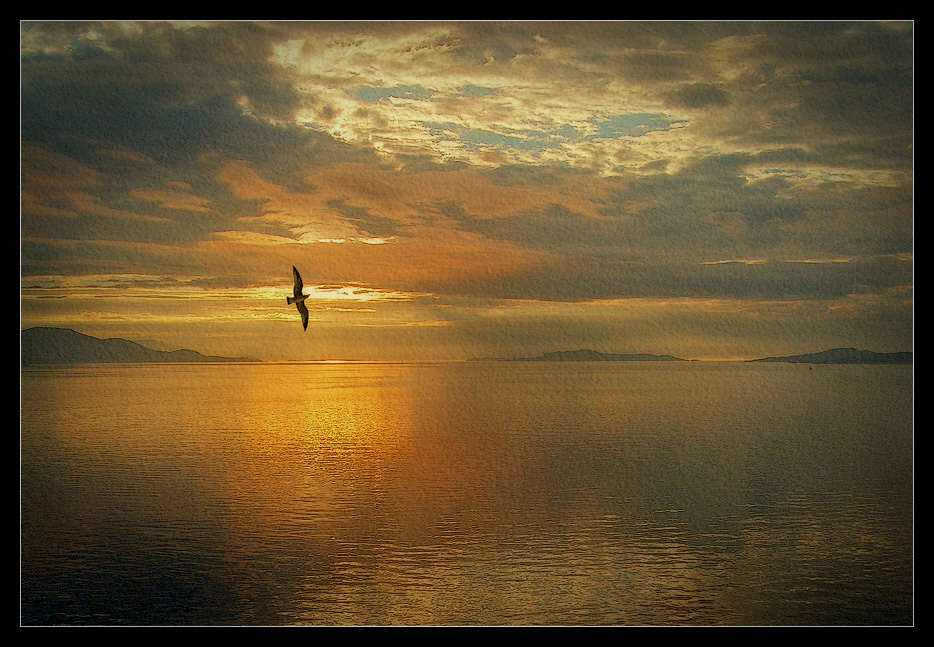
x,y
299,298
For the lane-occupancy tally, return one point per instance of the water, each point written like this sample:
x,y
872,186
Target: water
x,y
467,494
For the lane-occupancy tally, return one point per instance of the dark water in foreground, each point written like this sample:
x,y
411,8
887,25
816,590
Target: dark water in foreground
x,y
478,493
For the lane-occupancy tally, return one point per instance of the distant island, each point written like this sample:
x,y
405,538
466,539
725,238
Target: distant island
x,y
833,356
584,355
64,346
843,356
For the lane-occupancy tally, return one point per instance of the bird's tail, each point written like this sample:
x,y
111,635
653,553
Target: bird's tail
x,y
290,300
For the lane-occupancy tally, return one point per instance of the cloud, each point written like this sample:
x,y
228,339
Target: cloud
x,y
698,95
562,162
170,199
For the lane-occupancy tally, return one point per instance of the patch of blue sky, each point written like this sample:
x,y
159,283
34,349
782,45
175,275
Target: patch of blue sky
x,y
528,140
476,90
375,95
76,50
630,125
538,140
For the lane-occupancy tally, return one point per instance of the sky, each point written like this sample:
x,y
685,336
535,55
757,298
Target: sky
x,y
451,190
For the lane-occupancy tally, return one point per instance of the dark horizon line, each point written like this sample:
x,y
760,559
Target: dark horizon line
x,y
844,355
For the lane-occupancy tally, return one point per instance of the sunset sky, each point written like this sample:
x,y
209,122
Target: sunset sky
x,y
468,189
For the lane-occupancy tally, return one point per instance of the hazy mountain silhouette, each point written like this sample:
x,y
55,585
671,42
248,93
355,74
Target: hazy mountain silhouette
x,y
64,346
844,356
586,355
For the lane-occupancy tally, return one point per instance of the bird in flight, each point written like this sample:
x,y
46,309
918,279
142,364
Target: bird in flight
x,y
299,298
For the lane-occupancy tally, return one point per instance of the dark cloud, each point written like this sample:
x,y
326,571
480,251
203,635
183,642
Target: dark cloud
x,y
552,228
738,149
134,111
698,95
170,94
77,119
612,275
178,67
494,42
824,85
662,236
371,224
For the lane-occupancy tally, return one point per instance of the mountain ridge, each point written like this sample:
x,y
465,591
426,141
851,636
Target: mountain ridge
x,y
843,356
831,356
45,345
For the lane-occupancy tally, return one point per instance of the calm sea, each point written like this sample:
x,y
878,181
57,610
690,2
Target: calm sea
x,y
482,493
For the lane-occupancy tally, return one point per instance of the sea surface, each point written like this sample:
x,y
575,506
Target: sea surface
x,y
474,493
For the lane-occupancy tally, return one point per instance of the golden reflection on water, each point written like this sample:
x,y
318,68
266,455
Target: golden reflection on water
x,y
466,494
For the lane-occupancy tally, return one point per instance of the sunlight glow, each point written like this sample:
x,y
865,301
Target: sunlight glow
x,y
731,261
140,286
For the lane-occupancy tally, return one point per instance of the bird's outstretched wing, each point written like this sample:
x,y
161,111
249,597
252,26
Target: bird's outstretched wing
x,y
303,310
297,290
